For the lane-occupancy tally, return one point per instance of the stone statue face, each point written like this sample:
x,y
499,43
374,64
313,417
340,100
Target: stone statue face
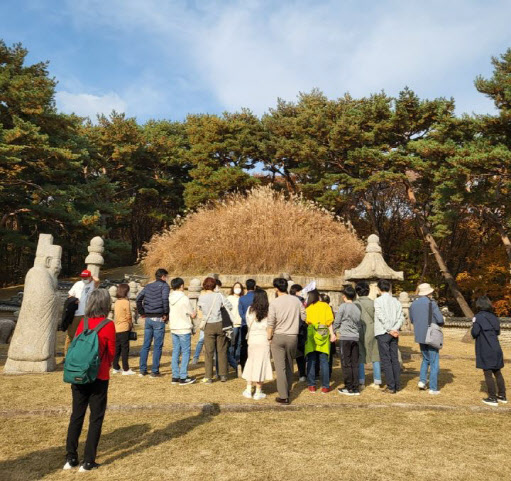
x,y
54,266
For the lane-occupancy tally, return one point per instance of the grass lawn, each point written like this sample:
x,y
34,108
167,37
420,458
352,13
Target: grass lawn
x,y
147,435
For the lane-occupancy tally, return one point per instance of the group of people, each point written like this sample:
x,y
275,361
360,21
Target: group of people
x,y
246,330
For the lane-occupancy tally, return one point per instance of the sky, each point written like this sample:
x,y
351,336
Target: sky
x,y
163,59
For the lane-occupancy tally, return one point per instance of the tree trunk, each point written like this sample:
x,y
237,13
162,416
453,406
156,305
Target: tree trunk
x,y
451,281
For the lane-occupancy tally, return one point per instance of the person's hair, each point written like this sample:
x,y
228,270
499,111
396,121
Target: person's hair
x,y
219,283
161,273
237,284
294,289
280,283
384,285
209,284
325,298
251,284
260,304
122,291
313,297
349,293
99,304
176,283
362,288
483,303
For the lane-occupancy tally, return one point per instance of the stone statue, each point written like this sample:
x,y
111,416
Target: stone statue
x,y
135,288
404,299
95,259
112,290
32,347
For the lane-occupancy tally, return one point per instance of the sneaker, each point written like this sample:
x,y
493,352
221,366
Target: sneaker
x,y
188,380
302,379
129,372
70,464
325,390
88,467
155,374
434,392
375,386
223,378
389,391
142,374
345,391
312,389
175,380
491,401
502,399
259,395
116,371
247,394
355,392
207,381
421,385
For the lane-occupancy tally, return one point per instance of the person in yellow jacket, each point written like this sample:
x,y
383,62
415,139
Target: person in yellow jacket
x,y
320,334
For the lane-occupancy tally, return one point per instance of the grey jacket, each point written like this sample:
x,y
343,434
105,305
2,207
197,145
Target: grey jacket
x,y
347,322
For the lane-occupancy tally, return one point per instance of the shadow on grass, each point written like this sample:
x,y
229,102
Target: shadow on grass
x,y
114,446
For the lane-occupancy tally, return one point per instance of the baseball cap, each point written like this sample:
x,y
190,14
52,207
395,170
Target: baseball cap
x,y
86,273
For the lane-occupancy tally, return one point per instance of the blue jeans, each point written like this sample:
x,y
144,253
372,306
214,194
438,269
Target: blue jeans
x,y
322,358
376,373
181,347
233,353
153,329
431,359
198,347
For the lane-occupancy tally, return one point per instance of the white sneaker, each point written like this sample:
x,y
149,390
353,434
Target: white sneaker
x,y
421,385
375,386
116,371
70,465
302,379
247,394
129,372
434,392
259,395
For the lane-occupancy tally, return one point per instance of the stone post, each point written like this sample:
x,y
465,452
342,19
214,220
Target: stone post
x,y
134,290
194,290
404,299
112,290
95,259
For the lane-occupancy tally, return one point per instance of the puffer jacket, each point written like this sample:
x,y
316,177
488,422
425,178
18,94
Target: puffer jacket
x,y
153,300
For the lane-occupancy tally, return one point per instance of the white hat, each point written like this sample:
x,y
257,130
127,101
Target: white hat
x,y
425,289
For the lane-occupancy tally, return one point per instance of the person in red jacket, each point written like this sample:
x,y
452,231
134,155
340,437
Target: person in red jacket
x,y
93,395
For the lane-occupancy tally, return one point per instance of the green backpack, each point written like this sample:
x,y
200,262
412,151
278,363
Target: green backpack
x,y
82,360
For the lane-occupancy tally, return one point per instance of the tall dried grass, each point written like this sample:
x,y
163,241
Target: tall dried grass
x,y
263,232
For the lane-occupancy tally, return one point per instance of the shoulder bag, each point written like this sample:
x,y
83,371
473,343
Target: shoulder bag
x,y
204,320
434,335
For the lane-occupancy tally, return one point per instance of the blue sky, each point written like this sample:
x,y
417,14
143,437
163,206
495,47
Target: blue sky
x,y
165,59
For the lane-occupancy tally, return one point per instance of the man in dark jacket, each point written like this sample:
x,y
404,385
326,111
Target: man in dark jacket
x,y
153,306
420,318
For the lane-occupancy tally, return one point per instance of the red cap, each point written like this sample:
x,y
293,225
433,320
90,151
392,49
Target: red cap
x,y
86,273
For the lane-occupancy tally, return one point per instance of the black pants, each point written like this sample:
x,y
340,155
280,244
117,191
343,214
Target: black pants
x,y
122,348
300,362
349,361
501,385
244,346
93,395
389,357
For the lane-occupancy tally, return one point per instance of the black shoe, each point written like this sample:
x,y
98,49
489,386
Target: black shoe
x,y
188,380
502,399
491,401
88,467
71,463
175,380
345,391
155,374
223,378
142,373
282,401
389,391
355,392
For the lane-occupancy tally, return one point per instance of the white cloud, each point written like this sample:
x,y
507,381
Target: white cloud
x,y
88,105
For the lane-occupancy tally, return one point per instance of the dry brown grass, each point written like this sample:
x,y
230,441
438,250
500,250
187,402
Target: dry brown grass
x,y
263,232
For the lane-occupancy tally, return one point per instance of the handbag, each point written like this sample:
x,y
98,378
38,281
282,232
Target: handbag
x,y
434,334
132,336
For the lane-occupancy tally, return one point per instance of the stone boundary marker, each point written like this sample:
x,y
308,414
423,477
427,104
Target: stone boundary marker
x,y
214,408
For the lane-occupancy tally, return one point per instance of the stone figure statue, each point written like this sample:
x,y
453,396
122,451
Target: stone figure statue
x,y
95,259
32,347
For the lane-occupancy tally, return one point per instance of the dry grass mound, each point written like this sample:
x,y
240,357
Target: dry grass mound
x,y
263,232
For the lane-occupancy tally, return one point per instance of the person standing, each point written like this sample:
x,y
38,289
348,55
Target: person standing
x,y
209,305
258,366
320,334
284,315
489,356
81,290
296,290
244,303
233,353
388,319
92,395
347,325
368,346
153,305
423,311
123,326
